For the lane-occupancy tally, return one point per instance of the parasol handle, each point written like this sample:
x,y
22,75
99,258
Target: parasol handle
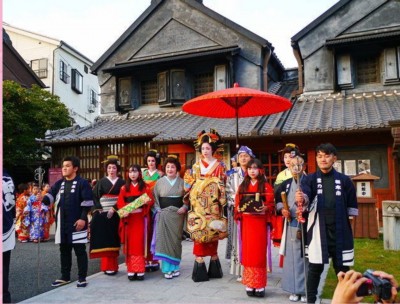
x,y
237,126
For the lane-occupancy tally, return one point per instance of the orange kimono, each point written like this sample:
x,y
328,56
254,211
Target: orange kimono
x,y
20,228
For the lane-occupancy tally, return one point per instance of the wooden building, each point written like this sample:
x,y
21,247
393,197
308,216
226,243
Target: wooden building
x,y
346,89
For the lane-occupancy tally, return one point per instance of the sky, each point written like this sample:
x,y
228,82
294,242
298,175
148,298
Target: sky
x,y
92,26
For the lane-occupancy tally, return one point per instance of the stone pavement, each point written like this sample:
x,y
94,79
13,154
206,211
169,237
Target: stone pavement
x,y
156,289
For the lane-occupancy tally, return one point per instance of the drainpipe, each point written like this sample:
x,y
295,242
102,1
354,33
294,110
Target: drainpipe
x,y
231,72
297,55
267,56
54,68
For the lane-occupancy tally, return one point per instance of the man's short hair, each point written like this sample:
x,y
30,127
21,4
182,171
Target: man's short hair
x,y
74,160
326,148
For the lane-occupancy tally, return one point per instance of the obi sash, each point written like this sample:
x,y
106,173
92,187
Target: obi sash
x,y
130,199
171,201
107,201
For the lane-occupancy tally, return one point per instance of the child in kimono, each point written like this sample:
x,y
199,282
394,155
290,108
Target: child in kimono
x,y
35,213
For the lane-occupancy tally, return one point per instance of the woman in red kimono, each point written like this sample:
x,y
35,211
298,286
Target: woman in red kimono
x,y
133,228
252,221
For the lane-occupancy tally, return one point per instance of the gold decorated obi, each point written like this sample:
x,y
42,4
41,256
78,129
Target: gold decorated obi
x,y
206,222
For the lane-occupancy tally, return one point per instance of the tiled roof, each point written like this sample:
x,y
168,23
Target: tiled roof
x,y
337,113
272,124
171,125
203,52
375,34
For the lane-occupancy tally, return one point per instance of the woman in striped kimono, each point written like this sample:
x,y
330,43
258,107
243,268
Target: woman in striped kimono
x,y
170,214
104,240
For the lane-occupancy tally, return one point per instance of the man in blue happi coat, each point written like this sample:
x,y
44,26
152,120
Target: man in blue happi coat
x,y
331,198
73,198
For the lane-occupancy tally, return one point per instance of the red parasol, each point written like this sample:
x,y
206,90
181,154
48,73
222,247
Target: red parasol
x,y
237,102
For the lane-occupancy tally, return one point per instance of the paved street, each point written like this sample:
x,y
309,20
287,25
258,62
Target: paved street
x,y
24,272
117,289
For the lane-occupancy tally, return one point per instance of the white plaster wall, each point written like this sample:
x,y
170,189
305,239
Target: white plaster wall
x,y
77,103
33,46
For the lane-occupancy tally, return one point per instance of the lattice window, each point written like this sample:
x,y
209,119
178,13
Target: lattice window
x,y
149,92
273,164
367,69
203,83
90,162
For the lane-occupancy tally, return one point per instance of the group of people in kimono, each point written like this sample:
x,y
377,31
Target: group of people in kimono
x,y
33,219
239,204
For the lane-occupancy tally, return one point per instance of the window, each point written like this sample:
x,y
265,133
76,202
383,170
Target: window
x,y
203,83
124,93
367,69
171,87
39,66
359,68
273,164
77,81
93,98
149,91
64,72
392,65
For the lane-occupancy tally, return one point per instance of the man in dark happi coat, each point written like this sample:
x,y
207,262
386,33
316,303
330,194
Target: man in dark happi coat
x,y
73,198
332,200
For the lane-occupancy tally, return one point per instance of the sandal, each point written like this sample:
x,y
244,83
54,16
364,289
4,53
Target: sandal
x,y
168,275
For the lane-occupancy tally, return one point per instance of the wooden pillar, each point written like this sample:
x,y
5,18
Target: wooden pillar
x,y
396,157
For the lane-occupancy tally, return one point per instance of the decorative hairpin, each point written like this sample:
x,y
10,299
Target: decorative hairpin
x,y
213,137
112,157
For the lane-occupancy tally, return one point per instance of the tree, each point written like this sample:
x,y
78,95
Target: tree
x,y
28,114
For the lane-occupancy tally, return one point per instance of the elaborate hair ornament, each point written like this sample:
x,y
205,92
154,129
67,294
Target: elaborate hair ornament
x,y
211,137
112,157
153,152
293,149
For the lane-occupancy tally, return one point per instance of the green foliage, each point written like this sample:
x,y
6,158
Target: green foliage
x,y
369,254
28,114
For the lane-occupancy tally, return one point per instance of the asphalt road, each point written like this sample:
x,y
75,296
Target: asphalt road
x,y
32,273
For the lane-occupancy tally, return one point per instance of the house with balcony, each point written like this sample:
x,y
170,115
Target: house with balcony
x,y
345,90
64,70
